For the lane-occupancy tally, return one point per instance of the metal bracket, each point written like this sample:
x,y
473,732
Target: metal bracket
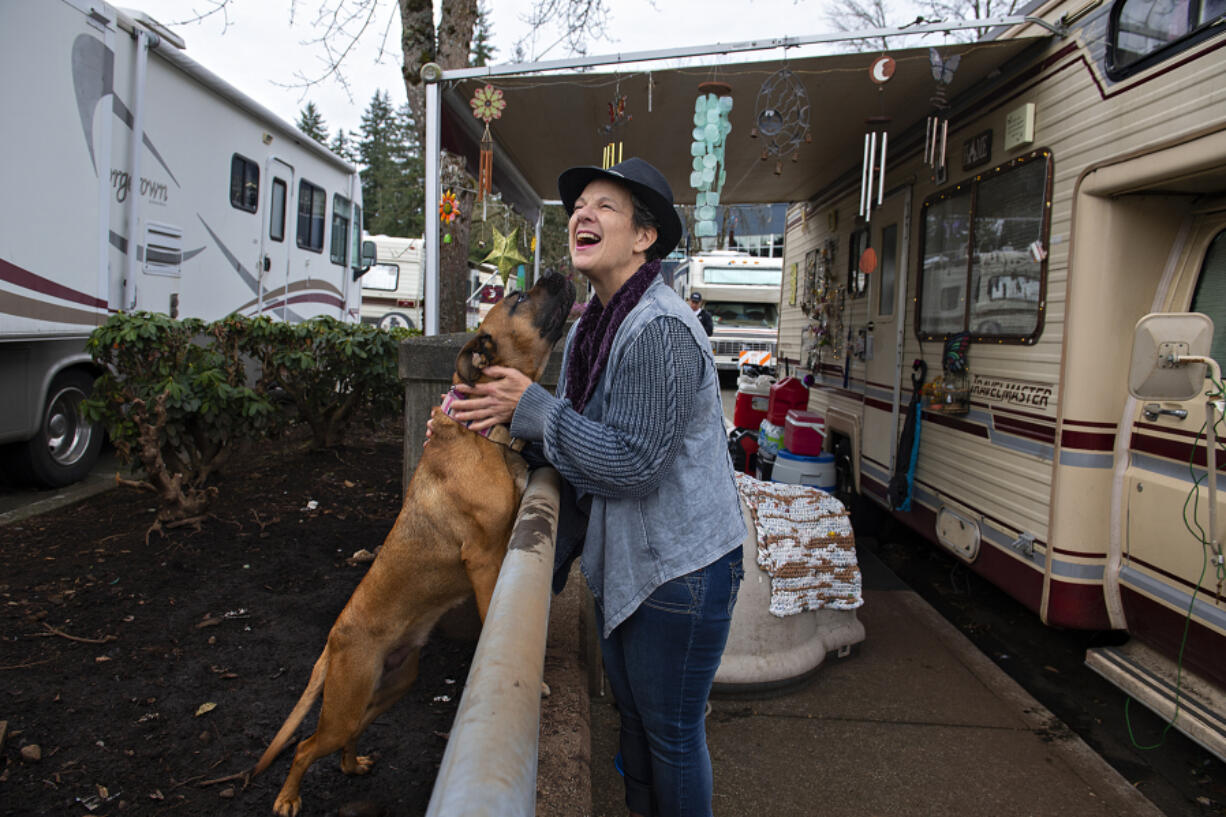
x,y
1023,544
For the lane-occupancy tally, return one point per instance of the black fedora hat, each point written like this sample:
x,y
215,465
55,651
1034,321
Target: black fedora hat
x,y
647,183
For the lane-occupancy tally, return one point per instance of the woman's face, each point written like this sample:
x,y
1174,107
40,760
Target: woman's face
x,y
603,237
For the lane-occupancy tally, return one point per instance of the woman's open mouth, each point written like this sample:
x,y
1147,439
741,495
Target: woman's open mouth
x,y
586,238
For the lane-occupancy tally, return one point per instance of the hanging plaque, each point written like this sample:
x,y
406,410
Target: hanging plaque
x,y
977,150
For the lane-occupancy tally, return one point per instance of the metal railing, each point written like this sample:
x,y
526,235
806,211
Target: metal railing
x,y
489,767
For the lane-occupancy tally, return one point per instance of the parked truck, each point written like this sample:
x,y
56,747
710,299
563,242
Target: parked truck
x,y
139,180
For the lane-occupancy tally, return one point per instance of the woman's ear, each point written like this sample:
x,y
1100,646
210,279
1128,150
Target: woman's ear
x,y
645,237
476,355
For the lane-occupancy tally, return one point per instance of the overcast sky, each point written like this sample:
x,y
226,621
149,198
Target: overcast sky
x,y
256,49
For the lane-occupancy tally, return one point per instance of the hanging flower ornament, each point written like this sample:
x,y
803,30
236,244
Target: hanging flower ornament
x,y
487,104
448,208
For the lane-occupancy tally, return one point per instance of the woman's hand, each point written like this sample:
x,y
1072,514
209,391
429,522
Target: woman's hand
x,y
491,402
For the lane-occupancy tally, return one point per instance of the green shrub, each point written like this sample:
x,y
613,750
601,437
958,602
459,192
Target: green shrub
x,y
330,371
175,401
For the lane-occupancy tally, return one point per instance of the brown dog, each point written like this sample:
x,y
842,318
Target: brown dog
x,y
447,542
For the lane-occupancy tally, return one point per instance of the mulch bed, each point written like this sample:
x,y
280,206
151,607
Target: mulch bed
x,y
142,671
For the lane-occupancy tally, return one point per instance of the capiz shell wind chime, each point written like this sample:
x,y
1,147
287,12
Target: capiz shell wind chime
x,y
711,129
937,132
876,143
487,104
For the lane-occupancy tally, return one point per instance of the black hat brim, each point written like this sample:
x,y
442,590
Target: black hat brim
x,y
572,183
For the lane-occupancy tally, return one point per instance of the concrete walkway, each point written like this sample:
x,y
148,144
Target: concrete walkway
x,y
916,721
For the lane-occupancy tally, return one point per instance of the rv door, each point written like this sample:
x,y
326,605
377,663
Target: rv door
x,y
278,221
1162,557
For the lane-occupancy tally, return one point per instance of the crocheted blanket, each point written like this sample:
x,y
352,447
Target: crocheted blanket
x,y
805,544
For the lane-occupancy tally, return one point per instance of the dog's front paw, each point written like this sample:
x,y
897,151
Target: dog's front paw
x,y
287,806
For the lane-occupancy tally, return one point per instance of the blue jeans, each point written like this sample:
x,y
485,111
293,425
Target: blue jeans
x,y
661,662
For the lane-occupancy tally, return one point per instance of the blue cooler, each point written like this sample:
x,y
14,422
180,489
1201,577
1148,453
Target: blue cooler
x,y
801,470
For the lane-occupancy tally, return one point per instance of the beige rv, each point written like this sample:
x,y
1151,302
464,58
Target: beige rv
x,y
1042,213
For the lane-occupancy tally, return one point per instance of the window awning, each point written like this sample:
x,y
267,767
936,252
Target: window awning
x,y
555,121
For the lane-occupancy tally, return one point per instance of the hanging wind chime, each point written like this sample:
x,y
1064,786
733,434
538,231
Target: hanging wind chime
x,y
487,104
937,133
781,117
876,143
711,129
617,122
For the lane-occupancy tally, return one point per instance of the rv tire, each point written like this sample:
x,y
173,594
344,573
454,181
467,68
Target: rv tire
x,y
66,447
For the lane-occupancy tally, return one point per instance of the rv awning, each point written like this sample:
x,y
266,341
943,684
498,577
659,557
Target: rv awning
x,y
554,121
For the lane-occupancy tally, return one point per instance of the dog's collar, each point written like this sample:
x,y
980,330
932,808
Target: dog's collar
x,y
498,434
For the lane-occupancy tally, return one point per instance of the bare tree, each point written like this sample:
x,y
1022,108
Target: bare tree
x,y
948,10
340,25
858,15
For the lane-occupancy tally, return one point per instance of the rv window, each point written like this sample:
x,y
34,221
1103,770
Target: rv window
x,y
356,250
340,229
887,270
1144,32
244,183
857,282
276,213
982,264
746,274
1210,296
312,203
738,314
383,277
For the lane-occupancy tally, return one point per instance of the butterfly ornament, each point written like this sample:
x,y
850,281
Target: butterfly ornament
x,y
937,132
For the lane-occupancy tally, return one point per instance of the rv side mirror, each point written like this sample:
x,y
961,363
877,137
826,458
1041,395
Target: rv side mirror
x,y
1158,341
367,259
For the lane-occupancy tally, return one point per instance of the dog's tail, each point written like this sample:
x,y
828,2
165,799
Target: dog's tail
x,y
296,715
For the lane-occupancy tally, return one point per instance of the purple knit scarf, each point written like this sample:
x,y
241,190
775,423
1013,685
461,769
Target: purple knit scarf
x,y
594,337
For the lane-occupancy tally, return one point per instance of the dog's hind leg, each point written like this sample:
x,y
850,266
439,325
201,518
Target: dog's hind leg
x,y
347,694
392,687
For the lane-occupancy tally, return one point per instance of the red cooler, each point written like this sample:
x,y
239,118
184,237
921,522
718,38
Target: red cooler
x,y
804,433
789,393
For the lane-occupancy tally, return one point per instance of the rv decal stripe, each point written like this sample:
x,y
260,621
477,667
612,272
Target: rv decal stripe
x,y
1178,599
1087,441
1010,425
955,423
1173,450
1204,591
1173,470
242,271
1090,424
23,307
297,286
28,280
1078,459
1174,432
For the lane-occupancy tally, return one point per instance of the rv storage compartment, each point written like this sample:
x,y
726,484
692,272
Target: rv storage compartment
x,y
788,393
804,433
800,470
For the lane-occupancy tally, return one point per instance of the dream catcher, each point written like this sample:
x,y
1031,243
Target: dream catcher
x,y
876,139
937,132
487,104
781,117
711,129
617,122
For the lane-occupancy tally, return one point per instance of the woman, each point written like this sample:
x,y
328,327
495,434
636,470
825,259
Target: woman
x,y
637,433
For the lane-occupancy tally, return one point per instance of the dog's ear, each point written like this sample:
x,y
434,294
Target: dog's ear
x,y
478,353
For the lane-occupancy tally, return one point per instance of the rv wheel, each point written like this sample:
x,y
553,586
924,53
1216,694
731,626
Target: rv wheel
x,y
66,446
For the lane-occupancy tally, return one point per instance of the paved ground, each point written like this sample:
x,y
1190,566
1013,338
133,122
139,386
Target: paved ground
x,y
916,721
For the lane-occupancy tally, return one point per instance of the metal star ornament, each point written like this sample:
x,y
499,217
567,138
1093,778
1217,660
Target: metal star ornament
x,y
505,255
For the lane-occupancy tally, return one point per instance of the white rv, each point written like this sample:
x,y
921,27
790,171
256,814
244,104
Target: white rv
x,y
741,292
1080,188
138,180
393,288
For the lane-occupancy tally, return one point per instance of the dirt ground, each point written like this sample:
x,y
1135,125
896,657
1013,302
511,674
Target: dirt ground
x,y
135,674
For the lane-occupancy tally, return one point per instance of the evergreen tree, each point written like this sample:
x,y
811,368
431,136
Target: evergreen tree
x,y
483,50
343,145
392,170
311,122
